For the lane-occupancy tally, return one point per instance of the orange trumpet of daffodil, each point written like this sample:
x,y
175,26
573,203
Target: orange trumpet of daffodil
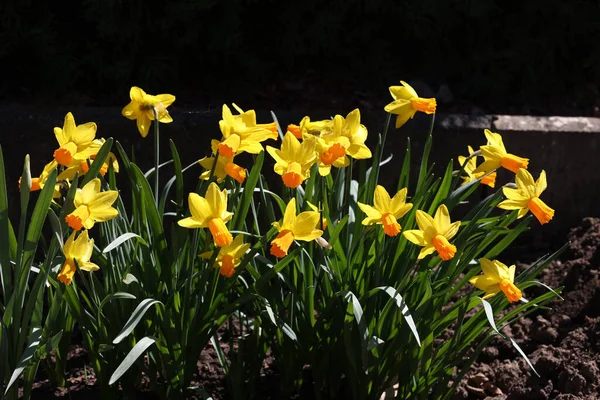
x,y
469,168
141,108
294,160
526,197
229,257
294,227
497,277
386,210
434,233
407,102
242,133
496,156
92,205
312,128
79,249
76,141
210,212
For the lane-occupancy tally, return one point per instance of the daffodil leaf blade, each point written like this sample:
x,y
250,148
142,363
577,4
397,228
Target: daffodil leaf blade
x,y
5,237
101,157
135,318
131,357
122,239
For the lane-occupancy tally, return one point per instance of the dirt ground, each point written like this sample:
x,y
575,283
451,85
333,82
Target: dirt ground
x,y
563,344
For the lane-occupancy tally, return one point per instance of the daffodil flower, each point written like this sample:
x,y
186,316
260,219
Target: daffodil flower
x,y
469,168
229,257
310,128
407,102
386,210
526,197
210,212
294,160
76,141
332,148
92,205
356,133
82,167
79,249
434,233
242,133
294,227
141,108
495,155
497,277
225,167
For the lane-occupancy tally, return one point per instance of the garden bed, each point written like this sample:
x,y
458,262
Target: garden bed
x,y
563,343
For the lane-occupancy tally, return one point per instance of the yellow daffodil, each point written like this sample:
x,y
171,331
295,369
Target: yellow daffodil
x,y
229,257
242,133
332,147
210,212
386,210
294,227
495,155
469,168
310,128
497,277
434,233
294,160
355,132
76,141
92,205
225,167
79,249
82,167
407,102
526,197
141,108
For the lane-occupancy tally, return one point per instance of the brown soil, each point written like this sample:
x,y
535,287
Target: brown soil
x,y
563,344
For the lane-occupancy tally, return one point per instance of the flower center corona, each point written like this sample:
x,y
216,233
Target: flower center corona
x,y
512,292
514,163
427,106
444,248
219,231
391,227
541,210
281,244
292,178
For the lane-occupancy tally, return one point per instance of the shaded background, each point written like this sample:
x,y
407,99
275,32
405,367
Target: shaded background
x,y
534,57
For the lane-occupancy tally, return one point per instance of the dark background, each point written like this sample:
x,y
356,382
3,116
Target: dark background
x,y
518,57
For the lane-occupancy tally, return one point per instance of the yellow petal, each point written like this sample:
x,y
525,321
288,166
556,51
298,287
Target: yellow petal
x,y
289,217
425,251
525,182
442,218
485,283
494,269
513,204
131,110
515,194
137,94
200,209
88,266
451,231
541,184
88,192
381,199
143,124
415,236
191,223
373,216
165,99
305,224
425,221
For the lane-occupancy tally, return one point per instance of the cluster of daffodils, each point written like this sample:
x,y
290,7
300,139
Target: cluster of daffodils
x,y
326,143
76,152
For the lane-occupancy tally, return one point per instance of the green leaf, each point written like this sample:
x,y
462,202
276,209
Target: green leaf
x,y
242,209
98,162
122,239
135,318
32,345
5,267
115,296
403,308
131,357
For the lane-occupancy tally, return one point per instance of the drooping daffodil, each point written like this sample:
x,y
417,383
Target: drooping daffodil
x,y
526,197
386,211
230,256
294,160
434,233
407,102
92,205
310,128
210,212
496,156
497,277
294,227
469,167
225,167
79,249
142,106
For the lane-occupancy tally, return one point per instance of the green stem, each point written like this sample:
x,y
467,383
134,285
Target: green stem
x,y
156,154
